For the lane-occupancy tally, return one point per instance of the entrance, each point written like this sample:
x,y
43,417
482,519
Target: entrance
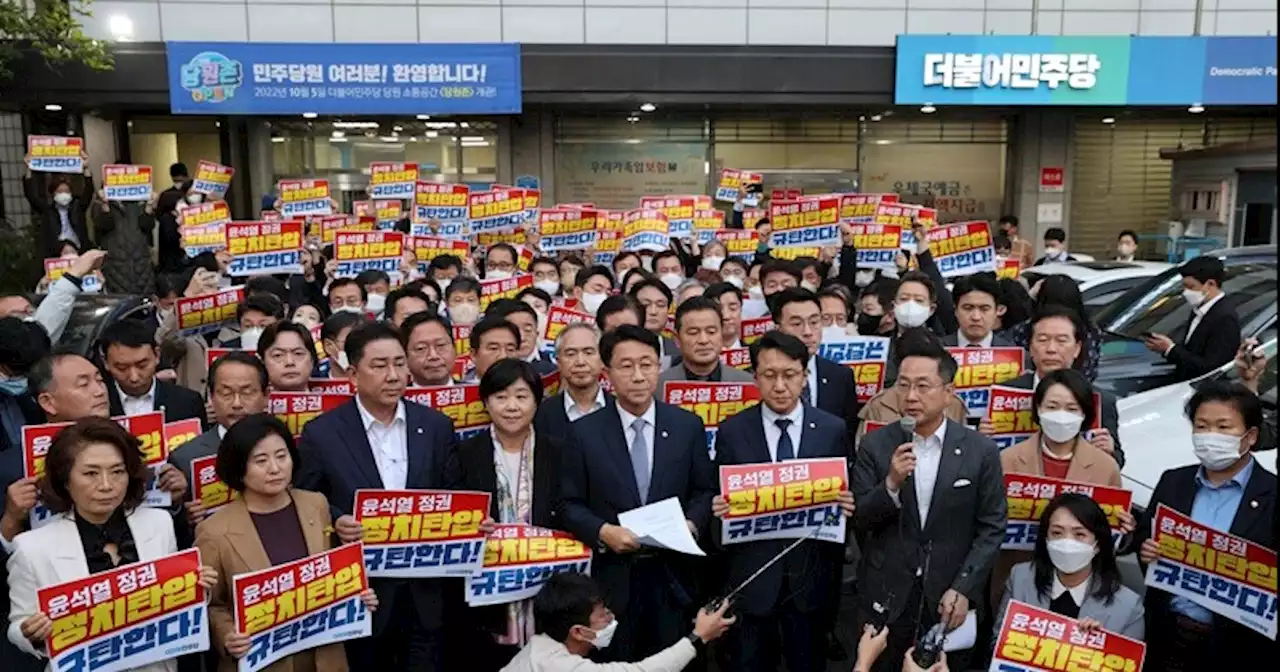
x,y
1255,213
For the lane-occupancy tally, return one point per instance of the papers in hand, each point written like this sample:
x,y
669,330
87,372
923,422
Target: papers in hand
x,y
963,637
661,525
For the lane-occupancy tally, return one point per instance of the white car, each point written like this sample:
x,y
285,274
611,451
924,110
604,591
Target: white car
x,y
1156,434
1101,282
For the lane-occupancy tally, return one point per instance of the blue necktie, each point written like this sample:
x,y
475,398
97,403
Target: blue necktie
x,y
786,451
805,397
640,459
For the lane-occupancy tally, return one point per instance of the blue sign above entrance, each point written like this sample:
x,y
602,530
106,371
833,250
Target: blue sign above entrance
x,y
284,78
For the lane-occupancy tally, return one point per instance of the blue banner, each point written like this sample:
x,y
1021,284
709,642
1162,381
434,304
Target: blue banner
x,y
1110,70
333,78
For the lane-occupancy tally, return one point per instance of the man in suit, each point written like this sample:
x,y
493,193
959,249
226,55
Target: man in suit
x,y
130,354
791,599
429,343
525,319
698,323
1055,247
1228,491
655,300
978,302
1057,337
578,358
492,339
380,441
930,511
829,386
1213,334
623,456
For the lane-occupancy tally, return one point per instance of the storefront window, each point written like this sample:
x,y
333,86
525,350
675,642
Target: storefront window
x,y
160,142
612,162
786,144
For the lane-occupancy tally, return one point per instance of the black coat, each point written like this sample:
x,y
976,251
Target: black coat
x,y
1212,344
177,402
51,222
124,231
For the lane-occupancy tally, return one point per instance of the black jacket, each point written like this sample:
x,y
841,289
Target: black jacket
x,y
124,231
1212,344
51,222
177,402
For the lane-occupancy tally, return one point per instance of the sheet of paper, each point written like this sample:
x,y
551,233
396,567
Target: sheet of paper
x,y
662,525
963,637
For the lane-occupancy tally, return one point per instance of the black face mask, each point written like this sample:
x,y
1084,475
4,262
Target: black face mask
x,y
868,325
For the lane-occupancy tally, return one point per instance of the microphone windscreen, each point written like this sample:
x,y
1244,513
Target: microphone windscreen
x,y
908,424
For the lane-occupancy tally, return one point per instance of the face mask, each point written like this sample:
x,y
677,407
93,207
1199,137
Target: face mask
x,y
868,325
343,362
712,263
1070,555
549,286
754,307
1216,451
605,635
1126,250
1192,297
1060,426
910,314
755,292
735,280
194,199
864,278
349,309
464,313
163,314
13,386
443,284
647,263
834,333
497,275
809,286
1055,253
249,338
62,198
567,279
591,301
305,321
375,303
671,280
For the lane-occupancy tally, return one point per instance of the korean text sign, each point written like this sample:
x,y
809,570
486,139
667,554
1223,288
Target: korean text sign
x,y
55,154
387,212
1009,412
740,243
325,78
1230,576
861,208
204,226
426,248
440,201
496,210
207,488
518,559
877,244
128,617
559,317
301,198
706,223
1033,639
124,182
731,180
906,216
1008,267
979,369
422,533
392,180
645,230
738,358
179,432
301,605
330,225
262,248
1028,495
357,252
754,328
567,229
148,429
503,288
212,179
56,267
460,402
679,211
867,356
712,402
784,500
812,221
962,248
296,409
202,314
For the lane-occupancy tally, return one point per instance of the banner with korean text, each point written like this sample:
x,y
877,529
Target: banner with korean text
x,y
207,488
55,267
296,409
1037,640
387,213
962,248
129,617
678,210
427,248
784,500
495,210
330,225
812,221
55,154
303,198
1028,495
877,245
392,180
36,440
301,605
1009,412
559,317
1228,575
148,429
261,248
712,402
1008,267
733,180
212,180
503,288
532,204
979,369
645,230
416,534
567,229
460,402
360,251
866,356
518,559
125,182
740,244
754,328
179,432
203,226
443,202
209,312
906,216
737,358
861,208
706,223
332,386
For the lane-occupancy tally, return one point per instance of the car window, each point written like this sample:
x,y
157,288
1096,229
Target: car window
x,y
83,325
1157,306
1267,381
1100,295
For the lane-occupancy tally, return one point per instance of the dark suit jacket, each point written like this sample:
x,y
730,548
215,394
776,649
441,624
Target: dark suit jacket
x,y
1212,344
952,340
552,420
597,484
543,365
337,461
1177,490
964,531
178,402
810,569
11,658
1110,416
41,202
838,393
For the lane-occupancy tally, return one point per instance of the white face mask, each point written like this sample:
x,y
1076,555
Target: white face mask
x,y
163,314
1070,555
1192,297
864,278
712,263
735,280
1216,451
809,286
591,301
194,199
349,309
497,275
62,198
755,292
1126,250
671,280
375,303
646,262
249,338
549,286
910,314
464,313
1060,426
443,284
342,361
754,307
604,636
1056,253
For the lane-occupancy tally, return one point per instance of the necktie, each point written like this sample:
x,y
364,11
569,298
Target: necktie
x,y
805,397
640,459
786,451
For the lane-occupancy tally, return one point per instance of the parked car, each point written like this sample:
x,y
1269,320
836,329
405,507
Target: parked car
x,y
92,313
1128,367
1101,282
1157,435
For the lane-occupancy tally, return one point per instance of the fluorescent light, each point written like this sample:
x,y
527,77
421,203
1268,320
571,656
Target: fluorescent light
x,y
397,128
441,124
876,117
355,124
1196,108
465,125
633,118
474,138
706,167
277,139
309,115
413,138
648,107
475,144
339,134
52,107
120,27
390,138
337,138
423,117
1108,120
433,134
928,108
884,142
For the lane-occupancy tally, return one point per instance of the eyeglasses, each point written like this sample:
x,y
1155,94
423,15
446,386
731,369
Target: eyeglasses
x,y
645,366
905,387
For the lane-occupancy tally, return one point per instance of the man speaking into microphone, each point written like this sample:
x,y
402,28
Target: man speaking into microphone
x,y
930,510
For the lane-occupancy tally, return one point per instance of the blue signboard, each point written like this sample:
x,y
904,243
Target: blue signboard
x,y
1111,70
333,78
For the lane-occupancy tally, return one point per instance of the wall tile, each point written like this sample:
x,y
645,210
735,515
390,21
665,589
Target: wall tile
x,y
460,24
875,27
1166,23
1094,23
706,26
1245,23
869,4
618,25
1010,4
805,27
1048,23
204,22
1109,5
707,3
542,25
959,22
290,23
788,4
1246,4
1148,5
372,23
144,16
1007,23
946,4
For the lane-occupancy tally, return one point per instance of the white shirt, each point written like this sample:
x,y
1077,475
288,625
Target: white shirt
x,y
984,343
1200,312
387,442
928,457
138,405
571,407
737,343
1077,594
650,417
812,381
772,435
222,432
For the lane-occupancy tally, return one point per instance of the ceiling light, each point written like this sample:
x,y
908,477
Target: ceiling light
x,y
337,138
309,115
928,108
876,117
390,138
465,125
862,118
633,118
1196,108
52,107
277,139
423,117
433,134
120,27
413,138
355,124
339,134
441,124
397,128
648,107
475,144
473,138
884,142
1108,120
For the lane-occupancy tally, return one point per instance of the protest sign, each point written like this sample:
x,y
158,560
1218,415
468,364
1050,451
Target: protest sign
x,y
496,210
296,409
752,216
1008,267
387,214
300,198
962,248
36,440
732,181
608,244
1226,574
1009,412
793,253
516,238
128,617
785,194
179,432
861,208
207,488
518,559
502,288
580,206
809,222
563,229
559,317
363,208
906,216
712,402
203,226
427,248
705,225
213,180
740,244
979,369
56,267
877,245
341,386
360,251
330,225
678,210
443,202
148,429
532,204
392,180
415,534
460,402
271,216
55,154
1031,639
784,500
462,339
209,312
126,182
738,358
215,353
866,356
1028,495
261,248
754,328
301,605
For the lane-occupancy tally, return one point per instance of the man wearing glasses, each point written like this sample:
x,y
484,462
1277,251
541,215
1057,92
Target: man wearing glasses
x,y
830,386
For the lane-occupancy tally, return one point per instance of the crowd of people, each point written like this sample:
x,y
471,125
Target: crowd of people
x,y
925,498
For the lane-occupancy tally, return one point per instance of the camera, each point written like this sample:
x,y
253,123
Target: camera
x,y
928,650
